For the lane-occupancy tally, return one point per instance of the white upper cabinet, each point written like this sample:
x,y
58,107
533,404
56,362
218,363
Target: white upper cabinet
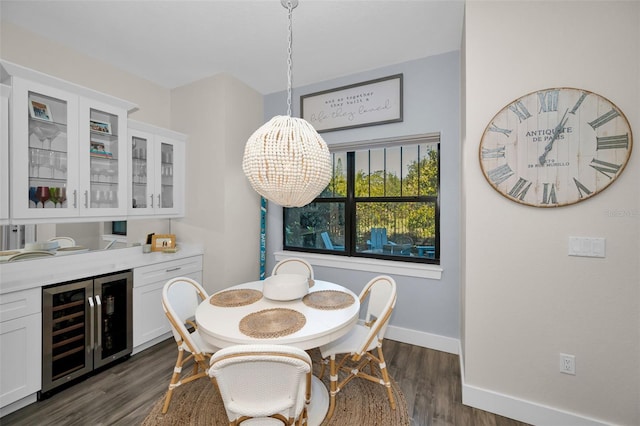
x,y
68,150
156,171
4,153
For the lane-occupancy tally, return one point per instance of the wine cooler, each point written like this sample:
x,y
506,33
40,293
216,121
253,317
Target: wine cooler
x,y
86,325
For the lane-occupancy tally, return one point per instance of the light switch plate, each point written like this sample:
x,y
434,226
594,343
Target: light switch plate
x,y
587,246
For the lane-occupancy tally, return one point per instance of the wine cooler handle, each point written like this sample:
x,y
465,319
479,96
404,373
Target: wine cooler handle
x,y
86,205
99,328
75,199
91,324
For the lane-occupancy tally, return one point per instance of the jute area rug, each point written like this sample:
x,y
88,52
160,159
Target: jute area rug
x,y
360,403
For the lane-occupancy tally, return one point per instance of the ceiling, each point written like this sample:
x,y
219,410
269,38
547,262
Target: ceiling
x,y
173,43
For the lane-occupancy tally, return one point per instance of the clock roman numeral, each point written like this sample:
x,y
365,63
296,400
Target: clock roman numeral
x,y
613,142
494,128
500,174
520,189
493,152
604,118
520,110
578,103
581,188
548,100
549,193
604,167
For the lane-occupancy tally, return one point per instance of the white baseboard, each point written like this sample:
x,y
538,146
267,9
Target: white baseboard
x,y
21,403
150,343
423,339
519,409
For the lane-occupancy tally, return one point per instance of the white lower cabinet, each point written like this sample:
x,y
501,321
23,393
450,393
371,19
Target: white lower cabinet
x,y
149,320
20,346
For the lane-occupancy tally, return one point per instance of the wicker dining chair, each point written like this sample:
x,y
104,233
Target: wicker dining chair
x,y
263,383
63,241
180,298
358,345
294,265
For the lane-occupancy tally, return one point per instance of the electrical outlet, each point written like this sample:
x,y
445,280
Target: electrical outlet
x,y
568,364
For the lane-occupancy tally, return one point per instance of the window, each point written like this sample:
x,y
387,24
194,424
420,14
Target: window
x,y
382,202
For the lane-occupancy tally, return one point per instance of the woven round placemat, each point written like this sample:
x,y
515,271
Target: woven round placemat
x,y
233,298
272,323
360,402
328,299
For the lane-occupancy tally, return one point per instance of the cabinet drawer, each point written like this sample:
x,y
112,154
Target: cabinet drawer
x,y
20,303
166,270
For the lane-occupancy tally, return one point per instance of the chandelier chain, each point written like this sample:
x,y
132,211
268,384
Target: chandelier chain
x,y
289,61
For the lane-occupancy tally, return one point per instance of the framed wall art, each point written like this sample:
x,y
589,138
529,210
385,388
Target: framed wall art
x,y
368,103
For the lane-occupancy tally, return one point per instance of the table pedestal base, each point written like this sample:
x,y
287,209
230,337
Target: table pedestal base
x,y
319,405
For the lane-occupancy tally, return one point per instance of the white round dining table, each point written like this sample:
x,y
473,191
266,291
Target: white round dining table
x,y
220,326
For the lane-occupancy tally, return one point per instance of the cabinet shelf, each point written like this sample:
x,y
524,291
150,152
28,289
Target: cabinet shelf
x,y
68,353
68,329
69,371
68,305
68,317
78,337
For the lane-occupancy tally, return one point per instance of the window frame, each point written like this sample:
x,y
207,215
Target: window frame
x,y
351,201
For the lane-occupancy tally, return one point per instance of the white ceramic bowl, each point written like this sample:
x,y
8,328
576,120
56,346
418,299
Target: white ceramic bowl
x,y
285,287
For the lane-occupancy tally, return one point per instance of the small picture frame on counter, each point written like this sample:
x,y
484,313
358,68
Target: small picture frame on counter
x,y
100,126
39,110
163,242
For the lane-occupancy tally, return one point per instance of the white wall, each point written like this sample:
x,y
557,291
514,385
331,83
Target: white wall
x,y
525,299
219,113
30,50
426,309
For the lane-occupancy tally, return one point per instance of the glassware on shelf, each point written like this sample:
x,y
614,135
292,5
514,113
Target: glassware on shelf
x,y
34,162
53,196
62,196
42,194
45,133
32,195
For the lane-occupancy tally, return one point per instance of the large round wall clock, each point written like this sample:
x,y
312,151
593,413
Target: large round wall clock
x,y
555,147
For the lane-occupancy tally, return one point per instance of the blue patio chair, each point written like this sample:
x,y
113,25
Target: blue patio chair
x,y
378,239
328,244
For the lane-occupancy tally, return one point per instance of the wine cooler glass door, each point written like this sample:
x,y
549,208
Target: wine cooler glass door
x,y
67,332
114,337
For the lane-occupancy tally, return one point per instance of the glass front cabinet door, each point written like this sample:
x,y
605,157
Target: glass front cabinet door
x,y
43,151
103,159
68,154
4,153
157,158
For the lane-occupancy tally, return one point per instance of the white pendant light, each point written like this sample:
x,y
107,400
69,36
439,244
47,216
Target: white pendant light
x,y
286,160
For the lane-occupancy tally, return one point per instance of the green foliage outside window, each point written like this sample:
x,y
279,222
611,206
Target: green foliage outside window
x,y
402,200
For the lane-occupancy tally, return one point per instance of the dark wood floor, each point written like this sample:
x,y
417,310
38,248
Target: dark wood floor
x,y
124,394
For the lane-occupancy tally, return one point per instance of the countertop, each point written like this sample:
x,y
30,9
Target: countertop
x,y
38,272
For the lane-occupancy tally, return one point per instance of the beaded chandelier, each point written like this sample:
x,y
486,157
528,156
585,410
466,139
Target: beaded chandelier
x,y
286,160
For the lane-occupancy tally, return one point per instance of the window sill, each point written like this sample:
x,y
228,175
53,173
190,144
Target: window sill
x,y
390,267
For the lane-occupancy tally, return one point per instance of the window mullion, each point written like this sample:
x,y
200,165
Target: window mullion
x,y
350,208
